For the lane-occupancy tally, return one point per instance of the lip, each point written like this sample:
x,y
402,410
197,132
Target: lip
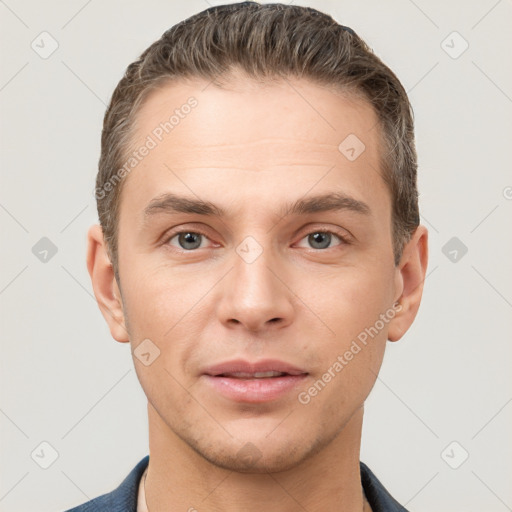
x,y
241,365
253,390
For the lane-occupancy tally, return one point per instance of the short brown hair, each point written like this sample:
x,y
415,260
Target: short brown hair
x,y
265,41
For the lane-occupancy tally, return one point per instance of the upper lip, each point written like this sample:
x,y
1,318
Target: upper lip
x,y
241,365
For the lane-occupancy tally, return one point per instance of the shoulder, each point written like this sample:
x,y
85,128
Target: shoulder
x,y
121,499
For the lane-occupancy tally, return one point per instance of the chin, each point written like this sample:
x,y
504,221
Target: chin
x,y
262,454
250,459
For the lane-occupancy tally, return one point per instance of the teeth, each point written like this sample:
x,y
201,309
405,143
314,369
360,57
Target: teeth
x,y
256,375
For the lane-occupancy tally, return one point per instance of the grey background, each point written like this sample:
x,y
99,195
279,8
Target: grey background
x,y
66,382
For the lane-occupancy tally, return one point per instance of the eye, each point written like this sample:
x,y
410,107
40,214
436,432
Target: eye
x,y
322,239
187,240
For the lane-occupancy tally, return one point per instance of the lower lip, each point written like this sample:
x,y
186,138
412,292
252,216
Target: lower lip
x,y
254,390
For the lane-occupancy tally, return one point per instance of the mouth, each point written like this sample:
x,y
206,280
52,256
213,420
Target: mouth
x,y
255,375
263,381
241,368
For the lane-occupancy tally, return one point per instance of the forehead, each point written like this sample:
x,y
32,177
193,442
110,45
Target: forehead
x,y
245,111
285,134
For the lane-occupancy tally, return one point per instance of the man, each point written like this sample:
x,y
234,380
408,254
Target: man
x,y
259,244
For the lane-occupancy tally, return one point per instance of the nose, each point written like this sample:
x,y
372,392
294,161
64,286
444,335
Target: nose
x,y
255,295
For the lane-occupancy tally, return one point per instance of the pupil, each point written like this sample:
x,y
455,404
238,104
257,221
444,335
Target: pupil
x,y
187,239
320,240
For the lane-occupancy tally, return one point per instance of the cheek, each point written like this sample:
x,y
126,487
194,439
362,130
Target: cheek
x,y
168,307
160,298
351,348
349,300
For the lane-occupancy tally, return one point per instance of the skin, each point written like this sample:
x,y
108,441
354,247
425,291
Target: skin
x,y
251,149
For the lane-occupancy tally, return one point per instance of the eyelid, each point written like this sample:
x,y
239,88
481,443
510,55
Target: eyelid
x,y
343,240
344,235
169,235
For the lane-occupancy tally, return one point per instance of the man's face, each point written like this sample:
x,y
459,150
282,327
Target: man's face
x,y
260,281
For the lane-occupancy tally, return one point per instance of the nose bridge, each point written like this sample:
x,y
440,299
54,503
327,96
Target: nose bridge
x,y
252,294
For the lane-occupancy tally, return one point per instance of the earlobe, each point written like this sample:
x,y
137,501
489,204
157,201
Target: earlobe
x,y
410,277
104,284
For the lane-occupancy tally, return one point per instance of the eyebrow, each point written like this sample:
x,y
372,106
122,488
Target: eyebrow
x,y
170,203
334,201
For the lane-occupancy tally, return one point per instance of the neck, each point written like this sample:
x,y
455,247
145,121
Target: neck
x,y
179,478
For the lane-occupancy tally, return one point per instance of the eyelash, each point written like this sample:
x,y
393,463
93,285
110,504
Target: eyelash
x,y
343,239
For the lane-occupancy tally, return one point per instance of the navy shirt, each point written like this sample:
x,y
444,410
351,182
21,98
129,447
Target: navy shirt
x,y
124,498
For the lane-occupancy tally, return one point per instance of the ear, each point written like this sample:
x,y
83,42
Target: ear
x,y
410,275
106,290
